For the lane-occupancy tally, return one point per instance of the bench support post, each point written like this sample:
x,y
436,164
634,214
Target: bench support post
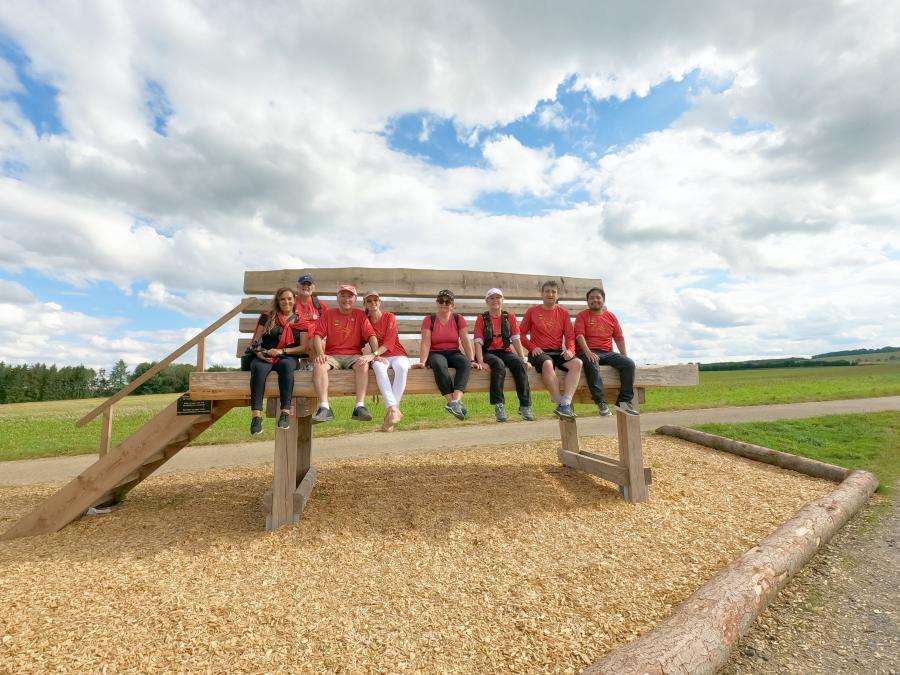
x,y
632,457
293,475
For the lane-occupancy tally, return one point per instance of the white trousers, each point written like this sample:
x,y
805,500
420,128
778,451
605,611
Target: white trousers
x,y
392,393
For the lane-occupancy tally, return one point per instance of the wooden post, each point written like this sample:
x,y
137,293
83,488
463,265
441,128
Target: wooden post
x,y
201,354
284,477
568,434
106,430
304,437
632,457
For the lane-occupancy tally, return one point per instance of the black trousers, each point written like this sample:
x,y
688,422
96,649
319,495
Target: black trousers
x,y
623,364
441,362
499,361
259,371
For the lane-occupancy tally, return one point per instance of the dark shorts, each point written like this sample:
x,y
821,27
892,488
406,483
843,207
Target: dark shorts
x,y
548,355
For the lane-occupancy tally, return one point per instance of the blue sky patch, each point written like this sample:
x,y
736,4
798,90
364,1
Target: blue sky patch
x,y
158,105
12,168
38,100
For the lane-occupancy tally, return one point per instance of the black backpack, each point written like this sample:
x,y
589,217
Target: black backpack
x,y
505,331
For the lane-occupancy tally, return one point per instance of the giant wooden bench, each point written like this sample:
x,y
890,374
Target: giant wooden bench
x,y
410,294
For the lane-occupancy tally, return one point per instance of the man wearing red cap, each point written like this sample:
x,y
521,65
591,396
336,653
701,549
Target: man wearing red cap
x,y
338,338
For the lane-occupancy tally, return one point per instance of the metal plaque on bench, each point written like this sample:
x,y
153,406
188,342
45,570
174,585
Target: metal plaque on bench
x,y
188,406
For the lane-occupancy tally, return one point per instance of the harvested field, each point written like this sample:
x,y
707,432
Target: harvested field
x,y
493,559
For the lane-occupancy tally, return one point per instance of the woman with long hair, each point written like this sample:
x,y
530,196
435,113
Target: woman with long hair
x,y
284,335
390,354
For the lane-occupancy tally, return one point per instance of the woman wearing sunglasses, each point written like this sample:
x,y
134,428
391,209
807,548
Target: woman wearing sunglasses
x,y
390,354
443,333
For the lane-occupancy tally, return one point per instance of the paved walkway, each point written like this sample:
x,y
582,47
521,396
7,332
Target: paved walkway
x,y
25,472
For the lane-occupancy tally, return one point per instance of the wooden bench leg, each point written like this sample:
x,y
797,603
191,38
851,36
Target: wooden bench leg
x,y
632,457
568,434
293,474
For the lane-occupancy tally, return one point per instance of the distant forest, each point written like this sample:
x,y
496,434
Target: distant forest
x,y
857,352
39,382
774,363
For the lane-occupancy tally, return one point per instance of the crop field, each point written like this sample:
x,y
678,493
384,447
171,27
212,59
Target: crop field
x,y
31,430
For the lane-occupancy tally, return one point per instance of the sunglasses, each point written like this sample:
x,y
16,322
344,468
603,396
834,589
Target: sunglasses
x,y
444,301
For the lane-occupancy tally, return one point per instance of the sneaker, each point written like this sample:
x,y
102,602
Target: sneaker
x,y
565,411
456,409
500,412
323,414
627,408
464,409
256,426
604,409
360,414
525,412
284,420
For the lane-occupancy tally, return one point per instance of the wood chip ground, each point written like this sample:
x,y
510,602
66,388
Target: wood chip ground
x,y
492,559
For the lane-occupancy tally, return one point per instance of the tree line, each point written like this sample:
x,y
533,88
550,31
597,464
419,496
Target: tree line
x,y
773,363
27,383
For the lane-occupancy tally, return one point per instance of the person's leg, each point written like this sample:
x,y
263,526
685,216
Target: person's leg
x,y
384,383
285,369
460,363
573,376
520,375
437,361
259,371
320,381
498,377
625,366
548,377
594,381
400,366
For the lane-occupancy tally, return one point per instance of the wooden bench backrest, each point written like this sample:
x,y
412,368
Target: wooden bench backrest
x,y
410,293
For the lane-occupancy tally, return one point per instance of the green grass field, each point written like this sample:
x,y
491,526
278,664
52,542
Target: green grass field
x,y
30,430
869,441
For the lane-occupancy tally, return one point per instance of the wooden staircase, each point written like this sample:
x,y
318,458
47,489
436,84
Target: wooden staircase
x,y
111,477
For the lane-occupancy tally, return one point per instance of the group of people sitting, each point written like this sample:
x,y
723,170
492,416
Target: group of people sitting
x,y
298,324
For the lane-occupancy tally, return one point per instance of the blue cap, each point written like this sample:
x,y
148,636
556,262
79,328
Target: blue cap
x,y
306,279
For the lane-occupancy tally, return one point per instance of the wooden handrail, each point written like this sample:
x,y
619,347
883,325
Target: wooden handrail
x,y
122,393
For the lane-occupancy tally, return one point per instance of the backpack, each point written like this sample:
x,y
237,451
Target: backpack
x,y
434,318
505,331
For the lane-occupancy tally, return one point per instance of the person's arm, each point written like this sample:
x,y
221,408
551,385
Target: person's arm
x,y
568,336
620,343
478,363
424,345
525,328
582,343
478,349
319,349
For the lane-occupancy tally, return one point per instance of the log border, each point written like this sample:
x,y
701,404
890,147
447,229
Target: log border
x,y
697,637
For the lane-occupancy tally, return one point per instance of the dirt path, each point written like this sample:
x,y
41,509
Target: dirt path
x,y
841,614
26,472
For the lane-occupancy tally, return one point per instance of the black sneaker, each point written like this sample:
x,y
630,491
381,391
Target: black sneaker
x,y
526,413
360,414
604,409
256,426
323,414
284,420
627,408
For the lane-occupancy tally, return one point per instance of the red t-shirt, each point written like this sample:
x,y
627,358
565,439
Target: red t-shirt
x,y
444,336
497,325
344,334
599,330
547,328
388,335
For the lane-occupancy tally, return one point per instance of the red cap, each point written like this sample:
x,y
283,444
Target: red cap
x,y
347,287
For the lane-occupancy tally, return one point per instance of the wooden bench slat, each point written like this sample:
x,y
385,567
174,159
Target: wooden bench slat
x,y
236,385
418,283
468,308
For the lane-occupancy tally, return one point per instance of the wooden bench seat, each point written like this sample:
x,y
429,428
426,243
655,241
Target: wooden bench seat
x,y
410,294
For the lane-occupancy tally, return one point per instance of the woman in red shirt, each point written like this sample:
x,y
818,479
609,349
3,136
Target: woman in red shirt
x,y
442,334
390,354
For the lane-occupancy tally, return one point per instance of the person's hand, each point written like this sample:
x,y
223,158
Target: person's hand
x,y
479,366
367,358
537,351
418,365
528,365
381,359
567,355
321,359
592,357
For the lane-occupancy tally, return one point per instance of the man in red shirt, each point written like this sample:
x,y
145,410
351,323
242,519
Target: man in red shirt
x,y
306,300
548,336
338,338
498,345
595,329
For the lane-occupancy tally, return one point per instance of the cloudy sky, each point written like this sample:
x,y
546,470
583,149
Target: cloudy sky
x,y
731,171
